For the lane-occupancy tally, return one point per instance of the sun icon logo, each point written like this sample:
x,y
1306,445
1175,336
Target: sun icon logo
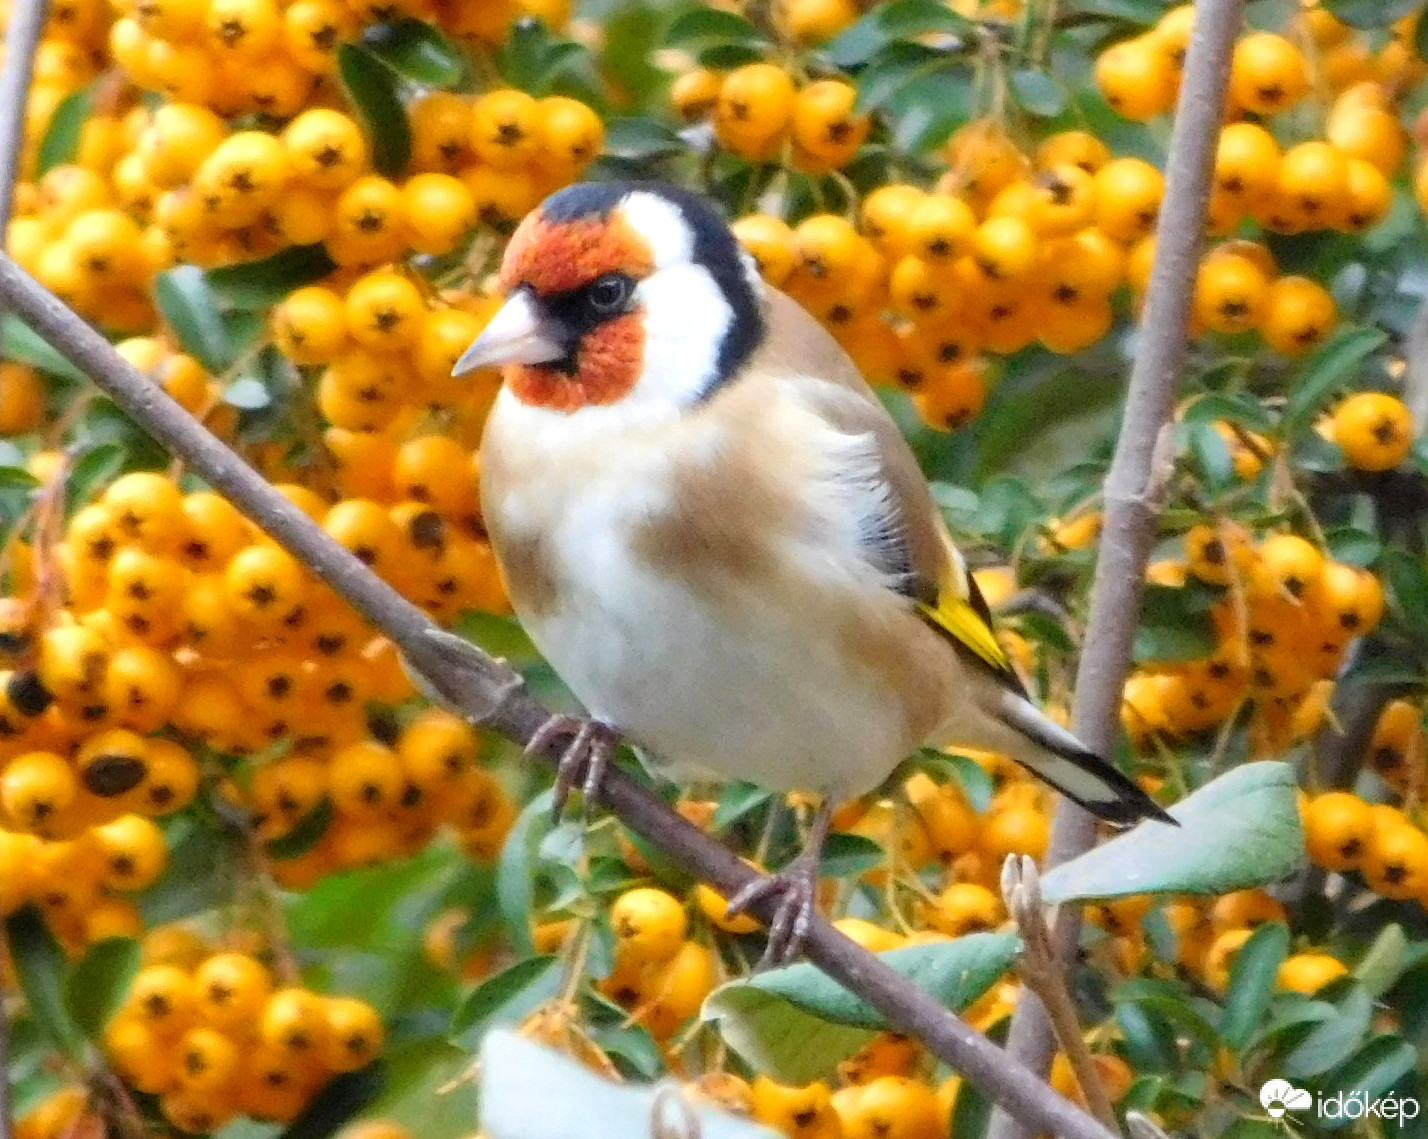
x,y
1279,1096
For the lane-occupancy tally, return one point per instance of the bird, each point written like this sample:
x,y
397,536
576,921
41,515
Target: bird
x,y
717,536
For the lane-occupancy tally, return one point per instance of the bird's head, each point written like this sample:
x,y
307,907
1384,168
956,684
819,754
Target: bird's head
x,y
621,292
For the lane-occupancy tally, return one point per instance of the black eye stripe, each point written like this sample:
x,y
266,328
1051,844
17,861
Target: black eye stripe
x,y
572,313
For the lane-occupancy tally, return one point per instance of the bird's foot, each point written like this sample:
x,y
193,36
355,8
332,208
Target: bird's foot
x,y
796,888
584,761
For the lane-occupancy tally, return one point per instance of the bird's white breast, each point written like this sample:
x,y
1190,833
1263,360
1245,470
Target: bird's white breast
x,y
750,684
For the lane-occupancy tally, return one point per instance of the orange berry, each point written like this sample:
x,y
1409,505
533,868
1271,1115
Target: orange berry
x,y
1374,430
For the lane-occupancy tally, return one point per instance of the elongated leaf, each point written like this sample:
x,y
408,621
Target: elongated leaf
x,y
515,873
417,51
1384,961
1038,92
92,471
373,89
796,1023
100,982
702,26
1240,830
41,968
1252,980
529,1091
307,834
19,342
1173,626
191,310
1334,1040
259,284
507,997
1331,366
1408,578
61,141
1371,13
337,1104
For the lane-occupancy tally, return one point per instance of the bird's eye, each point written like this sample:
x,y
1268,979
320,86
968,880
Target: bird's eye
x,y
608,294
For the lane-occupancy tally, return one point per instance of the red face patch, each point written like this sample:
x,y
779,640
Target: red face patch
x,y
556,257
609,361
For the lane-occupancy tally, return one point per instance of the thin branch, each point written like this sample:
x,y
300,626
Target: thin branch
x,y
22,35
488,692
1041,972
1131,508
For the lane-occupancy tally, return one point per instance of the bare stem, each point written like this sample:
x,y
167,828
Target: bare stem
x,y
1041,972
22,34
488,692
1131,504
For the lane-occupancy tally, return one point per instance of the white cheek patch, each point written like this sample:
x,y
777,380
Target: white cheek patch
x,y
662,225
686,318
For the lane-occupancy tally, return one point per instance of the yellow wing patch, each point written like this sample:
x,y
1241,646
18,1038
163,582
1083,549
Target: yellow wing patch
x,y
960,619
961,612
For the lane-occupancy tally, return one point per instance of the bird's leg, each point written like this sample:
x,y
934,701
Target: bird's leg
x,y
796,887
584,761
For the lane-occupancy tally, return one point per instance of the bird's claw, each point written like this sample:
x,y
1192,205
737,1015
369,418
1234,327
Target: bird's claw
x,y
584,761
796,888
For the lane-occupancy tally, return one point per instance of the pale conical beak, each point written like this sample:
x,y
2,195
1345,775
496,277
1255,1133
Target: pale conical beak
x,y
517,334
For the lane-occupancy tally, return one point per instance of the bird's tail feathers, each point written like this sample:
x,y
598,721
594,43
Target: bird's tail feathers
x,y
1078,773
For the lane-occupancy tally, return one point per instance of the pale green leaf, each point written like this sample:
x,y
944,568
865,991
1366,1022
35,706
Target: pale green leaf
x,y
1240,830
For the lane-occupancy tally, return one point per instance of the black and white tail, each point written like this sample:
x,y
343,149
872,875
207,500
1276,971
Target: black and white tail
x,y
1064,762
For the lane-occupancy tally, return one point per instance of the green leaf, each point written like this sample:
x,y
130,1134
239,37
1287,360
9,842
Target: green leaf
x,y
340,1101
1354,546
701,27
428,1089
1038,93
19,342
916,17
91,471
100,982
1408,580
796,1023
191,310
1365,1077
1243,409
261,284
1333,1041
1143,12
1239,830
61,141
41,968
1384,961
1371,13
307,834
374,91
505,998
1172,626
1212,455
640,139
1252,981
850,856
1331,366
417,51
515,873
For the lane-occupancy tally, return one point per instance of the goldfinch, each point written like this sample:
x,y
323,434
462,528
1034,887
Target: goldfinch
x,y
719,539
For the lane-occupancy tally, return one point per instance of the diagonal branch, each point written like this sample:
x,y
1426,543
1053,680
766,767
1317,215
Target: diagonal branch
x,y
1132,502
489,692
